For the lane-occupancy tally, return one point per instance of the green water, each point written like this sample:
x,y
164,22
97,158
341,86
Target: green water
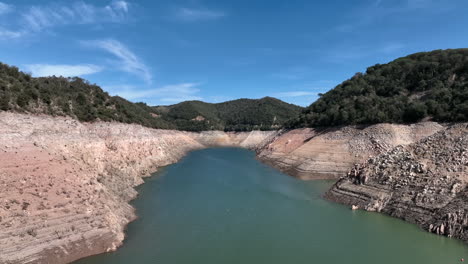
x,y
221,206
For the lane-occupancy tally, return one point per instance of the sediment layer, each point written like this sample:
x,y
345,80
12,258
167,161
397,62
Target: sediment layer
x,y
330,153
65,185
424,183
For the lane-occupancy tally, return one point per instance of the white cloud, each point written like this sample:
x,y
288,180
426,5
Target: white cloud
x,y
190,15
40,70
5,8
128,61
8,34
120,5
41,17
169,93
118,10
38,18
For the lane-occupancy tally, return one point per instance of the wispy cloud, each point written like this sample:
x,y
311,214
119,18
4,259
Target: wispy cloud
x,y
5,8
37,18
169,93
41,70
191,15
8,34
128,61
119,6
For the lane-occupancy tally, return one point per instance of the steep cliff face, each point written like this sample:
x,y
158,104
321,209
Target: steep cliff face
x,y
65,185
423,183
330,153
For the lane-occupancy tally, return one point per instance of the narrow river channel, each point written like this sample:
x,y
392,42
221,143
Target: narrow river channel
x,y
222,206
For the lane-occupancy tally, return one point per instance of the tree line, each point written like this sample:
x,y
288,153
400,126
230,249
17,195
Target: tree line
x,y
427,85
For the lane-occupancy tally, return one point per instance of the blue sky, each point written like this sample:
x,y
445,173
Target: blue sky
x,y
164,52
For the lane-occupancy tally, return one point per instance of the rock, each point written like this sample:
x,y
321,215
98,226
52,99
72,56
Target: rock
x,y
330,153
423,183
71,190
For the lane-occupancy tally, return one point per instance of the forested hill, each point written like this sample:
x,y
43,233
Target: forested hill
x,y
79,99
73,97
428,85
237,115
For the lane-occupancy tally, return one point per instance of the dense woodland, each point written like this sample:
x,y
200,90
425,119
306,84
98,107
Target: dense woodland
x,y
238,115
73,97
423,86
429,85
79,99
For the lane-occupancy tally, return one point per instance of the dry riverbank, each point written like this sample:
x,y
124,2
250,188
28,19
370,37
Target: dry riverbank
x,y
330,153
424,183
65,185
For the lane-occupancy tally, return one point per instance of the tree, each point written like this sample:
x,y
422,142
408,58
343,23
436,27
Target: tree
x,y
415,112
5,102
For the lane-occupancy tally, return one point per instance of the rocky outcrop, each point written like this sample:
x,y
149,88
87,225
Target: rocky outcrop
x,y
424,183
330,153
65,185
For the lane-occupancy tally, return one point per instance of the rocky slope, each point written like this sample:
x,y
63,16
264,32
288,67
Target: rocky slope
x,y
423,183
65,185
330,153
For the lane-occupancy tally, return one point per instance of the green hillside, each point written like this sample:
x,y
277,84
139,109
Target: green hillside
x,y
422,86
238,115
428,85
75,97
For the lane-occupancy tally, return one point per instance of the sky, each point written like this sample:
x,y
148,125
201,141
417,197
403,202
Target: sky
x,y
166,51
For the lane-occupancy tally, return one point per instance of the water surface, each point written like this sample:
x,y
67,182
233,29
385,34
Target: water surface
x,y
221,206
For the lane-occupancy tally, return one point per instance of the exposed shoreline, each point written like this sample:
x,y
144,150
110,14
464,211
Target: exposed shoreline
x,y
67,185
424,183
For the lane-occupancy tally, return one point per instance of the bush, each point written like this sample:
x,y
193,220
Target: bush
x,y
5,102
415,112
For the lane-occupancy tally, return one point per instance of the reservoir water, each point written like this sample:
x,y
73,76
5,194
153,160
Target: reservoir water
x,y
222,206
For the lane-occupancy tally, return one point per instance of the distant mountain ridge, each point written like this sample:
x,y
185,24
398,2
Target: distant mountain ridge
x,y
422,86
427,85
77,98
238,115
